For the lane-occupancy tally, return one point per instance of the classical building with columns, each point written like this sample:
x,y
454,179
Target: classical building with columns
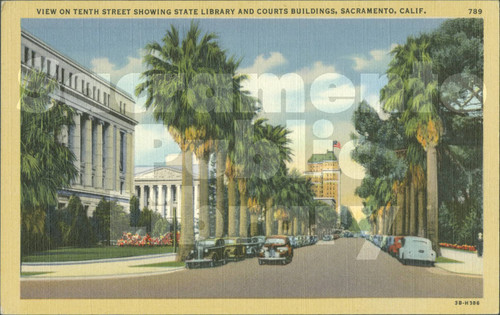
x,y
102,137
160,189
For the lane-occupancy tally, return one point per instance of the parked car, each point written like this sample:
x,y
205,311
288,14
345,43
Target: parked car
x,y
235,248
252,246
293,241
327,238
415,248
261,239
276,248
314,239
386,242
396,245
336,236
208,252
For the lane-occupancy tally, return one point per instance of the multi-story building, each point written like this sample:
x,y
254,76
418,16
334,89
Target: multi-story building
x,y
324,172
102,137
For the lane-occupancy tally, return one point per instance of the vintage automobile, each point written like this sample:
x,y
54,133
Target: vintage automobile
x,y
208,252
235,248
396,245
252,246
294,241
277,248
327,237
417,249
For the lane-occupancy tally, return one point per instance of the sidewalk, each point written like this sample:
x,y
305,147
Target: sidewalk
x,y
99,268
472,264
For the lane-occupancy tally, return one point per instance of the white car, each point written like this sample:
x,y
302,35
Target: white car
x,y
415,248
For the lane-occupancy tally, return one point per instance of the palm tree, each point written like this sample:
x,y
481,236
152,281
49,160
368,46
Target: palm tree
x,y
175,81
46,163
412,90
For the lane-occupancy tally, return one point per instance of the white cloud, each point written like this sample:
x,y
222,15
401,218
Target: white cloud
x,y
377,60
104,67
152,144
263,64
309,74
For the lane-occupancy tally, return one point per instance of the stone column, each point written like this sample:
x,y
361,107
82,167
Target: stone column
x,y
117,159
161,200
98,162
150,197
109,152
130,158
87,177
141,198
75,145
169,201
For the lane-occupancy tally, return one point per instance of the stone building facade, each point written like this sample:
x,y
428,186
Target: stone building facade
x,y
324,172
102,137
160,189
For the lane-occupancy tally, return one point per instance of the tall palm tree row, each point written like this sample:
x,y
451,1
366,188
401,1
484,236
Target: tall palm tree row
x,y
176,82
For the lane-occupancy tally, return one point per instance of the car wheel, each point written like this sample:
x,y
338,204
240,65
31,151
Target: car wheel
x,y
403,260
261,262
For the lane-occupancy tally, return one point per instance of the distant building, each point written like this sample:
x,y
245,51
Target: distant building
x,y
324,172
102,137
159,189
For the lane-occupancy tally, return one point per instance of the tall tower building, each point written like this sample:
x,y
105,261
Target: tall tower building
x,y
324,172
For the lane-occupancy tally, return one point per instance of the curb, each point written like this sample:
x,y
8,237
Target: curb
x,y
116,276
459,273
97,261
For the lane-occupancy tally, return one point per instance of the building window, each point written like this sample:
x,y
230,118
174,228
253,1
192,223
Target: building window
x,y
71,79
120,106
62,75
76,82
104,98
98,95
26,54
42,64
48,67
83,86
108,100
124,108
88,89
33,55
122,151
121,187
57,72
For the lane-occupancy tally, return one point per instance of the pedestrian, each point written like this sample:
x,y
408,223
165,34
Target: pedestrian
x,y
480,244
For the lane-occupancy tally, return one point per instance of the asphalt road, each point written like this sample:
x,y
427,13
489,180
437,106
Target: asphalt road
x,y
327,269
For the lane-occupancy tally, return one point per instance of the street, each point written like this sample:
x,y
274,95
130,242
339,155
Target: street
x,y
327,269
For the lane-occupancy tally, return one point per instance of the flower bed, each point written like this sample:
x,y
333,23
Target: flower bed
x,y
136,240
470,248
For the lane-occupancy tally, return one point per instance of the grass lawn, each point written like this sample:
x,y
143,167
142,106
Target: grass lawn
x,y
77,254
27,274
442,259
164,264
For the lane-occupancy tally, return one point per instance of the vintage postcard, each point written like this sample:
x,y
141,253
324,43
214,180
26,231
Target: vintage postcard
x,y
233,157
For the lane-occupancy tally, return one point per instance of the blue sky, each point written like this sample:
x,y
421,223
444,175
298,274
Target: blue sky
x,y
309,55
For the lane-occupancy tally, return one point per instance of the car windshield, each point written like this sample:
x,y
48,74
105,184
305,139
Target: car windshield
x,y
230,242
206,243
279,241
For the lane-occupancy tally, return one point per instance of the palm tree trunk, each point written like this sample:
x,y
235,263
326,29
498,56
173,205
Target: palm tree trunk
x,y
243,207
413,209
421,213
231,201
219,194
399,213
187,215
295,226
254,221
384,220
204,220
432,198
269,217
280,227
303,228
407,210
